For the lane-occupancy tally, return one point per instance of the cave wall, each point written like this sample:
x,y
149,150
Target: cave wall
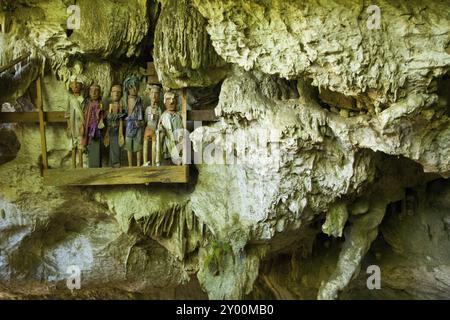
x,y
354,120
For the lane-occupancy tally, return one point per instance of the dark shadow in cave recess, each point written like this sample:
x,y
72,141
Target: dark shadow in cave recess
x,y
9,145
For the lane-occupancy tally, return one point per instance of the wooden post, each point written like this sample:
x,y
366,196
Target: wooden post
x,y
40,107
184,115
184,105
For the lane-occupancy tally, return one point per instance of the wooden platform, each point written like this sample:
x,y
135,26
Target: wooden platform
x,y
103,176
116,176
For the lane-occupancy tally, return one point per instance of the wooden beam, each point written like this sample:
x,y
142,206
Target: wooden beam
x,y
116,176
14,62
40,107
32,117
55,117
22,117
58,116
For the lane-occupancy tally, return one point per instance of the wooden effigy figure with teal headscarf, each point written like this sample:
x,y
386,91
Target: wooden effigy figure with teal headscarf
x,y
134,131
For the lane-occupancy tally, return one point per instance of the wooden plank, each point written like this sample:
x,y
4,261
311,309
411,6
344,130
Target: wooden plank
x,y
116,176
58,116
40,107
202,115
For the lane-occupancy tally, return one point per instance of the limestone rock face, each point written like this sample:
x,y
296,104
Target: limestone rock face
x,y
107,31
330,155
332,44
306,166
46,230
339,53
298,163
183,52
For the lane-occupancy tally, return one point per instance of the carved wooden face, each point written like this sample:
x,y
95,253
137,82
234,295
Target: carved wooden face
x,y
132,91
94,92
154,96
170,103
116,93
76,87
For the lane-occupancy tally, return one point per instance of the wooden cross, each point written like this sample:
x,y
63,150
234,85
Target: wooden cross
x,y
150,73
